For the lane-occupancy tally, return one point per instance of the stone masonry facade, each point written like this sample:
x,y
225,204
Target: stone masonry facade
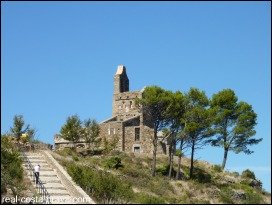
x,y
128,123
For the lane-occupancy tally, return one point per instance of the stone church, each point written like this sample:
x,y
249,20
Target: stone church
x,y
128,123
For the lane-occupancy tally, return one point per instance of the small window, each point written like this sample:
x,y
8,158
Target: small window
x,y
137,149
130,104
137,134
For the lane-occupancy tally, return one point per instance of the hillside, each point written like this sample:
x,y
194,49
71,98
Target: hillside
x,y
126,178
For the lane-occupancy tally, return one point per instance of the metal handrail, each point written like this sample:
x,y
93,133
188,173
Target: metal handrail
x,y
41,188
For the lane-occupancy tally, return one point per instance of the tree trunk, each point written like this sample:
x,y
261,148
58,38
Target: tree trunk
x,y
171,166
154,153
192,160
178,171
170,158
179,161
225,158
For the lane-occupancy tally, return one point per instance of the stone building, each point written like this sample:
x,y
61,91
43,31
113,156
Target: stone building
x,y
128,124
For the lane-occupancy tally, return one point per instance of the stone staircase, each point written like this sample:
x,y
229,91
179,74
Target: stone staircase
x,y
59,185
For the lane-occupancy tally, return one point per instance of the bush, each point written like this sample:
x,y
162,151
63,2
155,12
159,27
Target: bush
x,y
75,158
217,168
147,199
201,176
113,162
248,174
11,167
102,185
90,152
226,195
164,170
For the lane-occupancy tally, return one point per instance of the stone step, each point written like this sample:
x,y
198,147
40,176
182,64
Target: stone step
x,y
42,168
45,174
54,186
50,179
57,192
36,160
34,155
41,163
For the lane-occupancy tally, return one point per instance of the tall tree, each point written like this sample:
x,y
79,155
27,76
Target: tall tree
x,y
18,127
72,129
234,123
91,132
197,121
154,103
182,141
174,115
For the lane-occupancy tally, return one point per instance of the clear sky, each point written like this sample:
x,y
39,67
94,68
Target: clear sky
x,y
59,58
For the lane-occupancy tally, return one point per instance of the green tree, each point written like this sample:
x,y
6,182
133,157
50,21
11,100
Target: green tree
x,y
91,132
174,115
18,127
197,121
72,129
182,140
234,123
154,103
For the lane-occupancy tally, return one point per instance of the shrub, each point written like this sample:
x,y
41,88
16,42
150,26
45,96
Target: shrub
x,y
236,174
248,174
11,168
143,198
201,176
75,158
164,170
226,195
217,168
90,152
113,162
102,185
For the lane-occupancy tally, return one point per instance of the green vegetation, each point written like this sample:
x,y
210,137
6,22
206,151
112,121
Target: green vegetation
x,y
72,129
21,132
155,101
248,174
132,182
11,167
113,162
217,168
143,198
100,184
234,123
91,132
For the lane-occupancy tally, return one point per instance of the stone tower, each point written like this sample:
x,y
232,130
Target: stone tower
x,y
121,82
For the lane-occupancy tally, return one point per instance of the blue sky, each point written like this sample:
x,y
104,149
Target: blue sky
x,y
59,58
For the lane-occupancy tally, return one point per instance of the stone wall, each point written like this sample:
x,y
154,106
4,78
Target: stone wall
x,y
124,105
110,130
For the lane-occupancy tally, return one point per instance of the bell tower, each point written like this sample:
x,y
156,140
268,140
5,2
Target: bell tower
x,y
121,82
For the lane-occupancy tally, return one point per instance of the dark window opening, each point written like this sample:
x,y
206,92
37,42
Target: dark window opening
x,y
137,134
137,149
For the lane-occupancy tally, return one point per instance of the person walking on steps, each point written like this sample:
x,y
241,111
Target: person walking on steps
x,y
37,172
